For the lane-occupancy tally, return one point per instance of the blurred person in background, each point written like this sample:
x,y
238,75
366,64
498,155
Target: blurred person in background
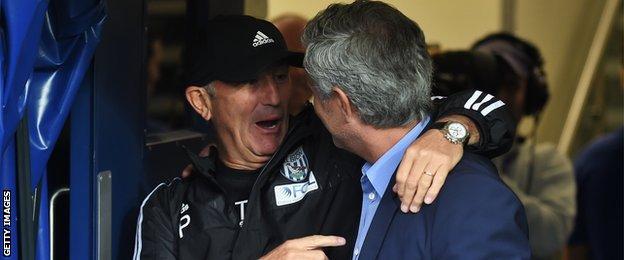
x,y
599,175
542,177
291,26
158,106
598,227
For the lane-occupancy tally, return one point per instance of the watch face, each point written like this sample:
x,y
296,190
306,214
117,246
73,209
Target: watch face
x,y
457,130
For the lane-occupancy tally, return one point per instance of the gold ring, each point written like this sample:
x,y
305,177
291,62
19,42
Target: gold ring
x,y
428,173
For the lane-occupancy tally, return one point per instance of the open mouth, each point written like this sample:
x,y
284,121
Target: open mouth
x,y
268,124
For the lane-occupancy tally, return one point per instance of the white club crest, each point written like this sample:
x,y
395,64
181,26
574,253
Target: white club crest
x,y
296,167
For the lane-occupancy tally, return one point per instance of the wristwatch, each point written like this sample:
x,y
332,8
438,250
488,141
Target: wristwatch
x,y
455,132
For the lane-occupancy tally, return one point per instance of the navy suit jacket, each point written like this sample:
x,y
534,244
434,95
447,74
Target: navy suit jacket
x,y
475,216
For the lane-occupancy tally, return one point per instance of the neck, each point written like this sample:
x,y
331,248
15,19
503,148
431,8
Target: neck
x,y
234,160
375,142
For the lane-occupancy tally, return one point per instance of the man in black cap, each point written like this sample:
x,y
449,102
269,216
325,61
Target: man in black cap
x,y
274,178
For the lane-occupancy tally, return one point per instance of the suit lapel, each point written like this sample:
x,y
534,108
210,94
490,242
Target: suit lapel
x,y
386,211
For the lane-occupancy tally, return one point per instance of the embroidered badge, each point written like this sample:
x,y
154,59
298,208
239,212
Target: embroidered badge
x,y
295,167
295,192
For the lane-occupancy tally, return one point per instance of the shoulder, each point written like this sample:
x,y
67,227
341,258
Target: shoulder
x,y
476,209
165,194
475,179
473,165
474,195
603,148
602,156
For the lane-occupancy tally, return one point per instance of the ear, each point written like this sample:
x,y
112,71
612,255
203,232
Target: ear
x,y
344,103
199,99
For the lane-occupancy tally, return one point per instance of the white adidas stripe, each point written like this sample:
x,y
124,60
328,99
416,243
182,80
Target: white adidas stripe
x,y
138,242
487,98
472,99
492,107
262,34
261,39
470,104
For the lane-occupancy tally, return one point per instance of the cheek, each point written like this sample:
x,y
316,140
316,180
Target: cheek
x,y
317,109
284,91
321,111
235,115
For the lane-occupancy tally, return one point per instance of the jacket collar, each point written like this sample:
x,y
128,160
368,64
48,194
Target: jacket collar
x,y
204,165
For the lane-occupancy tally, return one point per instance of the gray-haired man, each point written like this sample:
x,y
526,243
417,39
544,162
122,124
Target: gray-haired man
x,y
371,82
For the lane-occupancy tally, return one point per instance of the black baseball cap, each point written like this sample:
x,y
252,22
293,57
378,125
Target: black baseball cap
x,y
236,48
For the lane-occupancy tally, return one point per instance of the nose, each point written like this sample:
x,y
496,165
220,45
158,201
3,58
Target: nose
x,y
270,91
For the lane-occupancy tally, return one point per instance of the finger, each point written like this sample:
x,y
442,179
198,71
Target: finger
x,y
438,181
403,171
206,151
415,176
317,241
187,171
423,186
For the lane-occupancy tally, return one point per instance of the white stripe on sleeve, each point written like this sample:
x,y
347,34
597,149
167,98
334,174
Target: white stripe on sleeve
x,y
138,241
472,99
492,107
487,98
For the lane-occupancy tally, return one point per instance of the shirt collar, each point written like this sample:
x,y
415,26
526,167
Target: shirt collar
x,y
380,173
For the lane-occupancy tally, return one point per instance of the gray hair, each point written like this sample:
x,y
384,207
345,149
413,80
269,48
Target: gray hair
x,y
210,88
376,55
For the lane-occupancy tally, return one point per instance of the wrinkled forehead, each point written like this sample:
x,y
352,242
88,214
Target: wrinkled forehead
x,y
277,67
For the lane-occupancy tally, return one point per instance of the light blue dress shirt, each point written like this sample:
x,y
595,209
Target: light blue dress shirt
x,y
375,179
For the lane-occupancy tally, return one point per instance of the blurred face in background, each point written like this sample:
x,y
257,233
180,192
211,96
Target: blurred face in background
x,y
291,27
514,97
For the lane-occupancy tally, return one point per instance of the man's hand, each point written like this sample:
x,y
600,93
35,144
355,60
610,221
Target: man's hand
x,y
188,170
424,168
309,247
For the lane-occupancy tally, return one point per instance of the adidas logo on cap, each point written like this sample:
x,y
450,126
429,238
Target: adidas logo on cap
x,y
260,39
